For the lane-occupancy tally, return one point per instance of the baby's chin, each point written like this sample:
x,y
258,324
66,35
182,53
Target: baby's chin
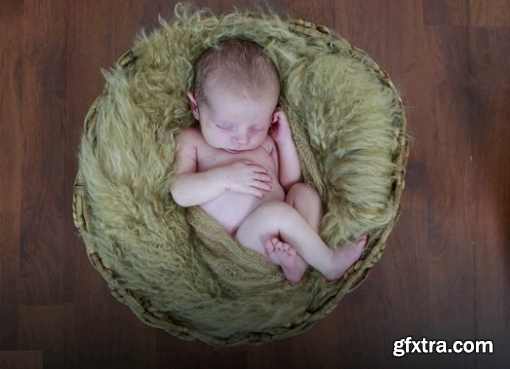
x,y
236,151
233,148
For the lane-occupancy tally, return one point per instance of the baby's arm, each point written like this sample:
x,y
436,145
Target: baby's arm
x,y
192,188
290,166
288,157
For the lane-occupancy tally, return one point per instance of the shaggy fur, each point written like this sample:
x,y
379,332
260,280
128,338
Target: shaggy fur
x,y
345,123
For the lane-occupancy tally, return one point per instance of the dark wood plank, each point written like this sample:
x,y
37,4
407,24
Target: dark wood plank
x,y
197,354
446,12
11,159
43,222
11,60
489,215
449,145
41,328
21,359
416,92
9,280
491,13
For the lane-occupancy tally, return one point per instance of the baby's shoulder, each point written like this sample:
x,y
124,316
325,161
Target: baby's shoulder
x,y
189,135
187,153
189,141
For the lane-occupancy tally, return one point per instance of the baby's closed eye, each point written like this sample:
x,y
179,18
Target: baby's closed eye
x,y
226,127
229,127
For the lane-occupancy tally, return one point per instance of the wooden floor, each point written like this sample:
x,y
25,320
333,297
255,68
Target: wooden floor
x,y
444,275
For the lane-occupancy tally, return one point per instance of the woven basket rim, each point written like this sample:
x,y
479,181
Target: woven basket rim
x,y
356,275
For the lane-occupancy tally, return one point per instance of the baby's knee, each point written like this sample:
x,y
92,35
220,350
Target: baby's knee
x,y
297,188
272,205
300,186
272,210
300,191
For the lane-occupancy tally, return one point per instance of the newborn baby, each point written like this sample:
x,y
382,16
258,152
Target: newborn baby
x,y
241,166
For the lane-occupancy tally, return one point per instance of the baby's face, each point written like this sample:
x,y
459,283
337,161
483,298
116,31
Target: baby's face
x,y
234,123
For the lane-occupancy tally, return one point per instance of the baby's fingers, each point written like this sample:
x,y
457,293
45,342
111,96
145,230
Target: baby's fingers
x,y
258,168
263,177
263,186
256,192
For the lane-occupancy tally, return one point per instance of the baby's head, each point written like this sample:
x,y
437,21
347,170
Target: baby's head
x,y
235,93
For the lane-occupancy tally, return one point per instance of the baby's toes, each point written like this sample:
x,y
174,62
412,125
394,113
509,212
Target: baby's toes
x,y
268,244
286,247
291,251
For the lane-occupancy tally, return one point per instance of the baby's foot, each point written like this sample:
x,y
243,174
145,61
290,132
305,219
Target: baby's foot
x,y
282,254
344,257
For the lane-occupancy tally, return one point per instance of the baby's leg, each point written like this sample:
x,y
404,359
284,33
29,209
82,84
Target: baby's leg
x,y
307,202
260,234
278,219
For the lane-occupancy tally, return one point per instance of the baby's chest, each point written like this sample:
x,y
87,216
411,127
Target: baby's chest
x,y
231,208
211,157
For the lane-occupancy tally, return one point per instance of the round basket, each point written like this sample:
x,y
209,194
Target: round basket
x,y
142,305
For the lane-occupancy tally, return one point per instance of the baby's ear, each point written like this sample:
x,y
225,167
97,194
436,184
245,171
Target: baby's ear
x,y
193,103
191,97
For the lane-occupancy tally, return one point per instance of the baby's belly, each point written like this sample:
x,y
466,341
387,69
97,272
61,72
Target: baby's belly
x,y
230,209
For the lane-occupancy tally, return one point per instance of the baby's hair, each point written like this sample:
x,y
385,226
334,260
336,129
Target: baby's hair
x,y
237,65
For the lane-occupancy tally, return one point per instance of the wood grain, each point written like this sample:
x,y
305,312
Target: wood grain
x,y
489,13
445,274
489,214
11,161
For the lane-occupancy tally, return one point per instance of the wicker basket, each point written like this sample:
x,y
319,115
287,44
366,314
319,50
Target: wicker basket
x,y
153,317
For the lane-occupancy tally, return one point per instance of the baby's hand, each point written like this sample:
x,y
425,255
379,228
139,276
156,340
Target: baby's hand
x,y
280,128
249,178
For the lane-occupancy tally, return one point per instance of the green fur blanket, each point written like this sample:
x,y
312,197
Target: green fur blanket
x,y
347,122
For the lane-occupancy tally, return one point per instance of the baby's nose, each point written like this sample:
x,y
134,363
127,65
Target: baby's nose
x,y
241,139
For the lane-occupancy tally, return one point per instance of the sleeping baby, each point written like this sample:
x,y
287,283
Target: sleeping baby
x,y
241,166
